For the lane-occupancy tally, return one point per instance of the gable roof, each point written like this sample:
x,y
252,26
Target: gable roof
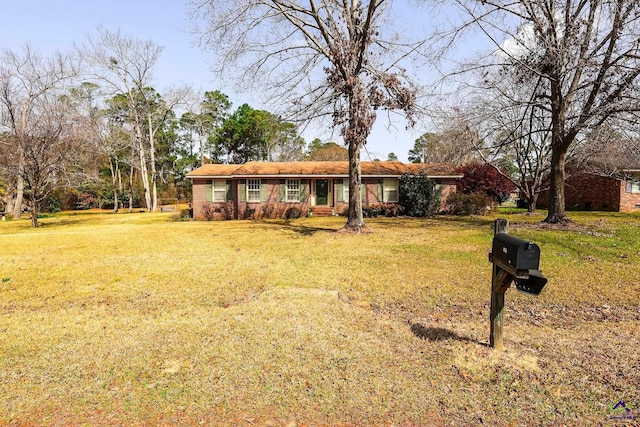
x,y
310,169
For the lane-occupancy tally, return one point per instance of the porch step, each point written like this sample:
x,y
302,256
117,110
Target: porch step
x,y
322,210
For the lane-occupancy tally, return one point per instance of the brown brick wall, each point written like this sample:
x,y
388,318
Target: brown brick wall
x,y
447,186
594,192
629,202
273,208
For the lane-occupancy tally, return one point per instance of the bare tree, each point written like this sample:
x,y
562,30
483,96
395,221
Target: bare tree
x,y
456,141
125,66
319,58
515,129
36,115
586,54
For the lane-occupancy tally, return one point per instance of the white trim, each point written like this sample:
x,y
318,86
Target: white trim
x,y
294,182
254,190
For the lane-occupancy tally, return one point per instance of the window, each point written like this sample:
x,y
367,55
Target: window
x,y
219,191
345,190
293,190
390,190
253,190
635,187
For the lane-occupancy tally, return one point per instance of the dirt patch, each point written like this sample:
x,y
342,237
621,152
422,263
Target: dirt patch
x,y
598,229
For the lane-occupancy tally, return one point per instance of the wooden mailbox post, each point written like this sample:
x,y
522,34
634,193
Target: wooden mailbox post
x,y
513,260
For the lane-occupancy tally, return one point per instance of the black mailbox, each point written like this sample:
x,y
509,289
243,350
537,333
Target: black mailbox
x,y
533,284
521,259
515,255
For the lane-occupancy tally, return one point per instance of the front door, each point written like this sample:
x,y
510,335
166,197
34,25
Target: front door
x,y
322,192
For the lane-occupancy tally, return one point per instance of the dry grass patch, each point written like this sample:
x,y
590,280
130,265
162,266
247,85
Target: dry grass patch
x,y
135,319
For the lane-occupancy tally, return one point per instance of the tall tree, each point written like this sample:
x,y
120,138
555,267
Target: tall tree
x,y
285,45
35,115
328,151
125,66
456,143
200,123
250,134
586,55
515,129
284,144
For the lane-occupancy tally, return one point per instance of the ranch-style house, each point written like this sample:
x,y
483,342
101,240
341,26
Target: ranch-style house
x,y
283,189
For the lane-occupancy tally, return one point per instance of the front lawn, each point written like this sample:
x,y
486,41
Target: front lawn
x,y
135,319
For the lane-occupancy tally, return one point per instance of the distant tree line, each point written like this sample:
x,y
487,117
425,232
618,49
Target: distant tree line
x,y
88,129
556,89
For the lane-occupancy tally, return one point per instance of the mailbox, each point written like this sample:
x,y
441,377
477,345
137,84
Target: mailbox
x,y
514,260
520,259
514,255
533,284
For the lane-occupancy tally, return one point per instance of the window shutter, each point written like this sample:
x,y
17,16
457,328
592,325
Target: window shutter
x,y
303,190
340,190
228,195
243,190
263,190
380,194
209,196
629,187
283,189
363,193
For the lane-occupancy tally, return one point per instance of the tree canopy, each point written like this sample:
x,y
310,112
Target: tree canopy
x,y
284,46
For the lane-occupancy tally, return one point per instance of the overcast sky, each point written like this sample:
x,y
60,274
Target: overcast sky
x,y
50,25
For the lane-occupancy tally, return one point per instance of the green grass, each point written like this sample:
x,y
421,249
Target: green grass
x,y
136,319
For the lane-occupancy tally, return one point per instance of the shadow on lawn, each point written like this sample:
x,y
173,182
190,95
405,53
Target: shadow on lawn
x,y
439,334
300,229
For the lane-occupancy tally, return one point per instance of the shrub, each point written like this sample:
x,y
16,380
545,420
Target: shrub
x,y
85,201
468,204
227,210
371,211
392,210
208,211
182,215
293,213
484,178
418,195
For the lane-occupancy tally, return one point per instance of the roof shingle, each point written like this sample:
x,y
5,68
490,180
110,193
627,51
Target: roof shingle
x,y
339,168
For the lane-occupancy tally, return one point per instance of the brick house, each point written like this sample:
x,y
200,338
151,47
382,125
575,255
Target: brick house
x,y
278,189
587,191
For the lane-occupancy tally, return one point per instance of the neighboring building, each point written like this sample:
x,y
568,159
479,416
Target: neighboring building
x,y
586,191
282,189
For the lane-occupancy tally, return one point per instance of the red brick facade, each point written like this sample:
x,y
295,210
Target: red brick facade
x,y
232,186
595,192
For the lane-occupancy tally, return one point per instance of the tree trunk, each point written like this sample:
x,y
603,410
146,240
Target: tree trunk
x,y
154,171
145,176
355,221
557,212
131,187
532,203
17,207
10,202
114,182
34,212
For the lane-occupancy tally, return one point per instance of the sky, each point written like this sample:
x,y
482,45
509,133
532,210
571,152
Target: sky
x,y
50,25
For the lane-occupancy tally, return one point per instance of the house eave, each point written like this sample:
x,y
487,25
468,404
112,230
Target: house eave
x,y
209,177
309,176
